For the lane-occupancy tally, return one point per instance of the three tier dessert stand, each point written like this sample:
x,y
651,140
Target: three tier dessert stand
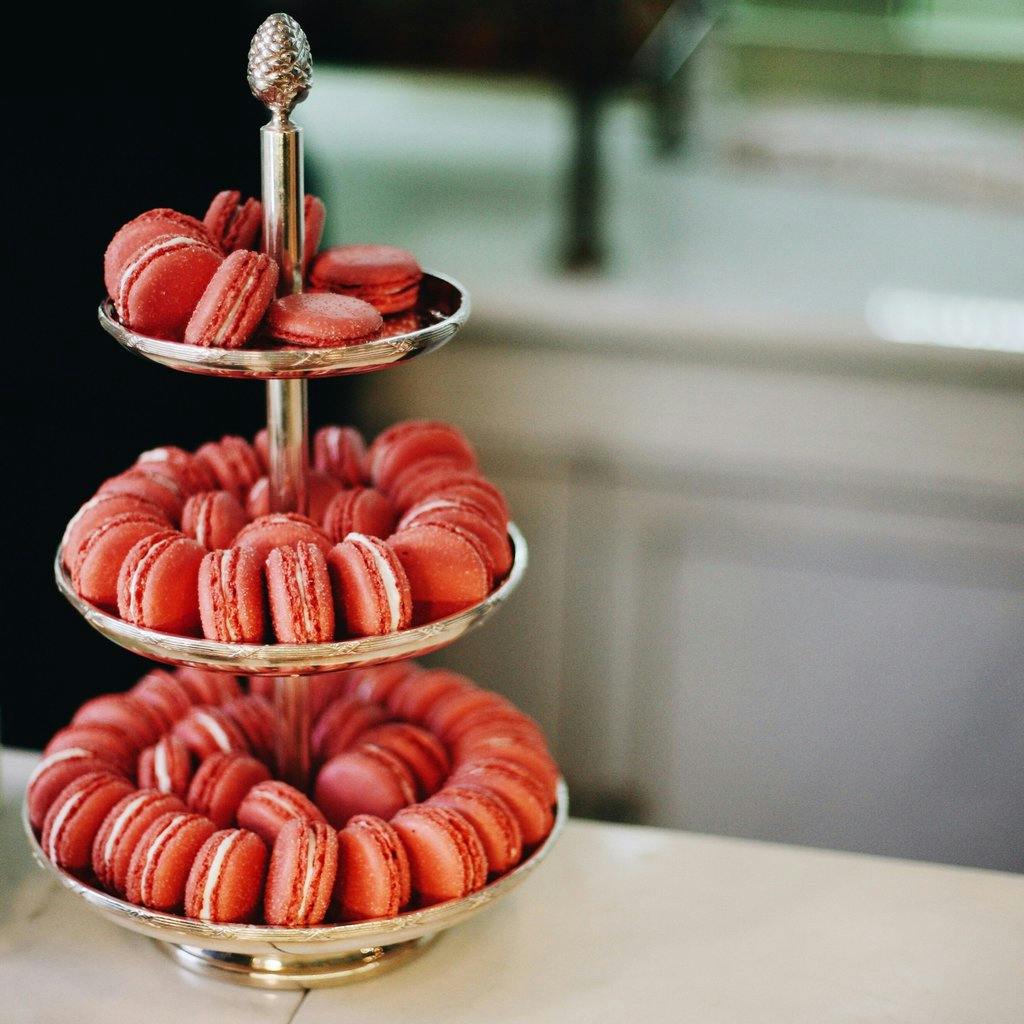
x,y
279,74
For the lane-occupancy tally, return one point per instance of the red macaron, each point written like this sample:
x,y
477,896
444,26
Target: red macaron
x,y
56,771
358,510
423,753
314,218
157,587
365,780
233,462
233,223
76,815
473,518
162,859
213,518
375,683
234,302
221,783
341,452
192,475
373,877
341,723
165,693
96,511
404,445
207,687
151,484
166,766
384,275
107,743
122,828
269,806
255,716
225,883
413,697
323,320
207,729
495,824
231,596
370,586
137,720
299,592
526,796
300,879
280,529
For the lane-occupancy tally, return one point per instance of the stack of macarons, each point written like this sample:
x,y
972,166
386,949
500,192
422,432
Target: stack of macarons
x,y
427,786
204,282
400,533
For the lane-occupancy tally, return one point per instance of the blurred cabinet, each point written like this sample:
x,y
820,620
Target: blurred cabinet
x,y
775,602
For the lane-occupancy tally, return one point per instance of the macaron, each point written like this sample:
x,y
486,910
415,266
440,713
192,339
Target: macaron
x,y
358,510
225,883
208,729
398,324
407,479
166,766
54,772
525,795
538,763
233,462
139,232
94,573
157,587
373,877
139,722
454,483
76,815
446,857
122,828
162,282
192,474
96,511
164,692
413,697
323,320
206,687
423,753
384,275
370,586
412,441
321,689
213,518
365,780
464,513
108,744
341,723
314,218
280,529
446,568
300,879
321,488
261,445
163,858
231,596
233,223
447,712
151,485
234,302
492,819
255,716
374,683
269,806
341,452
299,592
221,783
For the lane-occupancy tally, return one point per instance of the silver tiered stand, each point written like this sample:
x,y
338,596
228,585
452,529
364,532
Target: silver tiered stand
x,y
279,73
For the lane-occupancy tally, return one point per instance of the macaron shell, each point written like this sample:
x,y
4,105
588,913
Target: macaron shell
x,y
106,743
163,858
232,223
375,684
493,819
256,718
76,815
193,475
96,511
230,586
472,518
213,518
166,766
95,571
373,879
54,773
237,861
365,780
233,463
323,320
362,595
525,795
300,879
140,723
139,232
221,784
314,216
422,752
384,275
413,697
149,485
234,302
278,530
341,452
158,584
207,687
270,805
299,592
207,730
432,440
162,691
359,510
341,724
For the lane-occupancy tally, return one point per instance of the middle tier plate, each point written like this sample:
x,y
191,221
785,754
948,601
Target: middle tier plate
x,y
296,659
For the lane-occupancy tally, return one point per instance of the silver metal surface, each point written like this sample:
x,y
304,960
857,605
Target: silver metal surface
x,y
280,69
443,308
297,659
298,957
288,438
283,197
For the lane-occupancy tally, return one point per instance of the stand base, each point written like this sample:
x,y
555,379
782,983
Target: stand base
x,y
296,971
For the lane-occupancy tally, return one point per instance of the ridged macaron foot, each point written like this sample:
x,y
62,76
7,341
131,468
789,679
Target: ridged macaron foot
x,y
300,879
525,795
233,223
166,766
323,320
371,590
225,884
233,463
207,729
495,824
359,510
423,753
75,817
231,597
269,806
221,783
125,824
384,275
373,877
157,587
56,771
365,780
213,518
446,858
341,452
234,302
161,283
163,858
280,529
299,593
341,723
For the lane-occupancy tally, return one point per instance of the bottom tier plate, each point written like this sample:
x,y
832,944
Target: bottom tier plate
x,y
297,958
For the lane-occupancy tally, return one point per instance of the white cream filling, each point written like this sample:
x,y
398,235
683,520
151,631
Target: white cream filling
x,y
134,596
307,881
387,577
161,769
58,822
56,758
302,582
213,727
145,881
119,825
272,797
203,516
243,296
225,558
145,255
216,867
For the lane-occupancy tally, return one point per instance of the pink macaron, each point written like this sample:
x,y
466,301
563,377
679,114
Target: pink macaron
x,y
413,697
107,743
495,824
384,275
206,687
192,475
341,723
162,282
299,592
221,783
76,815
255,716
280,529
300,879
341,452
358,510
373,877
365,780
166,766
445,714
323,320
537,762
56,771
401,446
165,693
469,516
269,806
375,683
233,462
446,857
96,511
157,587
162,859
122,828
139,722
423,753
208,729
370,586
525,795
225,884
233,223
419,486
231,599
234,302
150,484
213,518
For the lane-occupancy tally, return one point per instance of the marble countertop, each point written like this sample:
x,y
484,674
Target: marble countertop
x,y
622,923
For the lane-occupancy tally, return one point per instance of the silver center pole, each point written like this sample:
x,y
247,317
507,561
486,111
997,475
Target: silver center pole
x,y
280,72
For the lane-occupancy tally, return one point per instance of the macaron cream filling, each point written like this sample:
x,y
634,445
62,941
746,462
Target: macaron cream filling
x,y
213,727
141,258
241,301
213,876
307,879
161,769
54,758
119,825
302,583
387,577
62,816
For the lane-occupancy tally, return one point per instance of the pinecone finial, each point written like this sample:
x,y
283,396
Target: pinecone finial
x,y
280,68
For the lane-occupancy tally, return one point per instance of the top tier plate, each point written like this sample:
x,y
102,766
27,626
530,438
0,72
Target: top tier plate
x,y
442,308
